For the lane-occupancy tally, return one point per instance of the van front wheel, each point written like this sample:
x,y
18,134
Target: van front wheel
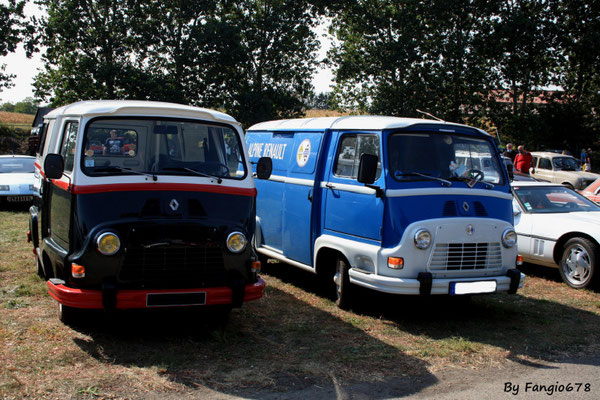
x,y
343,287
66,314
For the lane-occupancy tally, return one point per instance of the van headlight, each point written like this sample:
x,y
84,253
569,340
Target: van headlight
x,y
422,239
509,238
108,243
236,242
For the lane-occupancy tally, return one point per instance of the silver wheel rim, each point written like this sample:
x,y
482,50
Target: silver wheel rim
x,y
577,265
337,279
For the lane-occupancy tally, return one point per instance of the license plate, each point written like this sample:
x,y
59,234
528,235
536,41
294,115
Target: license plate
x,y
175,299
472,287
18,199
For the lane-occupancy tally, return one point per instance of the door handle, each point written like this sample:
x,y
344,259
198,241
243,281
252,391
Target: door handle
x,y
330,185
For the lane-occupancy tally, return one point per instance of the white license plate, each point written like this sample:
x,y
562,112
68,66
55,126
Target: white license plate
x,y
472,287
18,199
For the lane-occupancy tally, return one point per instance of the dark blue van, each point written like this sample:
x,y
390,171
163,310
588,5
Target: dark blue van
x,y
398,205
143,205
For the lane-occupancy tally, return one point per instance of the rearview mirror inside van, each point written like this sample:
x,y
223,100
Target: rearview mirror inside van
x,y
264,168
367,169
54,166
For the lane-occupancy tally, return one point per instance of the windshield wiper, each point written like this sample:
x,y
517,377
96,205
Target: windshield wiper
x,y
466,178
444,181
121,169
219,179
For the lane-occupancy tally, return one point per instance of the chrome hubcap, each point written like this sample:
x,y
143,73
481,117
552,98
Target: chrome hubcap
x,y
577,265
337,279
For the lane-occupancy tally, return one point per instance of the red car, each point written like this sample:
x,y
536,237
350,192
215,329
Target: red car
x,y
592,192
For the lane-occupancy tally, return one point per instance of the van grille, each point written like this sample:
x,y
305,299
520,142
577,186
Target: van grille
x,y
174,266
466,256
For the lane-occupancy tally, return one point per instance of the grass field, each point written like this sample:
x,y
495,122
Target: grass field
x,y
292,338
16,120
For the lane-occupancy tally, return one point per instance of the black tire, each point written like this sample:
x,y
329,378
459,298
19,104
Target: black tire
x,y
578,263
67,315
343,287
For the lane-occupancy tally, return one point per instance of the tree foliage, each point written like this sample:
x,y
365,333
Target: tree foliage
x,y
14,29
474,61
253,58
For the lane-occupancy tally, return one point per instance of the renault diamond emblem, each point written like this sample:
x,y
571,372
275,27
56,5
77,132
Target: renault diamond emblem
x,y
466,206
470,230
174,205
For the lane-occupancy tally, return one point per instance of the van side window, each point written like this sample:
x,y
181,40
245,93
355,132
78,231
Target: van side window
x,y
43,135
349,151
67,148
545,163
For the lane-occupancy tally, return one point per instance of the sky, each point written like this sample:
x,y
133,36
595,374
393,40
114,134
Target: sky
x,y
26,69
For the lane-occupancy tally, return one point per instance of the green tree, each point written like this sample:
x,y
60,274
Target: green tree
x,y
91,53
13,30
252,58
395,57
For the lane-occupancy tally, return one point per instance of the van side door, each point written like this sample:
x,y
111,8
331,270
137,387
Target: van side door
x,y
60,196
352,209
298,198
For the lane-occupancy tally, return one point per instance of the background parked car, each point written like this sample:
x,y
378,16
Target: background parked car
x,y
560,168
16,179
592,192
558,228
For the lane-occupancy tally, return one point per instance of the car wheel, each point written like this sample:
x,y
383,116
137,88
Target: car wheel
x,y
343,287
578,263
40,269
66,314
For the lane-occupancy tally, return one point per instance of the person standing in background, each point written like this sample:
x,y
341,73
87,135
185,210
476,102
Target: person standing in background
x,y
510,152
523,160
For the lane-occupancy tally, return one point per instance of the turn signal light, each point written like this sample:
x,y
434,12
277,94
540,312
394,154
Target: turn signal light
x,y
396,262
78,271
519,260
256,266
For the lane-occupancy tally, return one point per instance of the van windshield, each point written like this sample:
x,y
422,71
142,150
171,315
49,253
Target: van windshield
x,y
162,147
426,155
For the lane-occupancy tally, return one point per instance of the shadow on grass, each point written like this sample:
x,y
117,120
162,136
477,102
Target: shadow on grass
x,y
523,326
275,346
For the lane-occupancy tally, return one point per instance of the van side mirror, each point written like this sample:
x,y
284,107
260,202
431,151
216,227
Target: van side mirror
x,y
264,167
367,168
54,166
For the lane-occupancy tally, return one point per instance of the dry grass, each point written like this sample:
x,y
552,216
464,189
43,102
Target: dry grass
x,y
293,338
10,118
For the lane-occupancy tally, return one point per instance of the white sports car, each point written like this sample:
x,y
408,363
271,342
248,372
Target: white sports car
x,y
558,228
16,179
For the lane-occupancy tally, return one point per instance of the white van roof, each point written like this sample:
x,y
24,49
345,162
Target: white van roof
x,y
362,122
141,108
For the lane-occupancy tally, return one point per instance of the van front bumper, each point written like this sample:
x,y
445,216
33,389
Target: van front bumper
x,y
128,299
438,286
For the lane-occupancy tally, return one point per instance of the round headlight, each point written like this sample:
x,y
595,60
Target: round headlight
x,y
509,238
236,242
422,239
108,243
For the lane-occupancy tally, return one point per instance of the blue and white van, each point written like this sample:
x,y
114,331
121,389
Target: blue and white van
x,y
392,204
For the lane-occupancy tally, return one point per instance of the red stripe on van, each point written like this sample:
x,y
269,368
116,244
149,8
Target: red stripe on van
x,y
179,187
61,184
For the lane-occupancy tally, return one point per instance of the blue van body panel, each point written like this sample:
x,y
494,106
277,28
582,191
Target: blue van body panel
x,y
286,201
400,212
